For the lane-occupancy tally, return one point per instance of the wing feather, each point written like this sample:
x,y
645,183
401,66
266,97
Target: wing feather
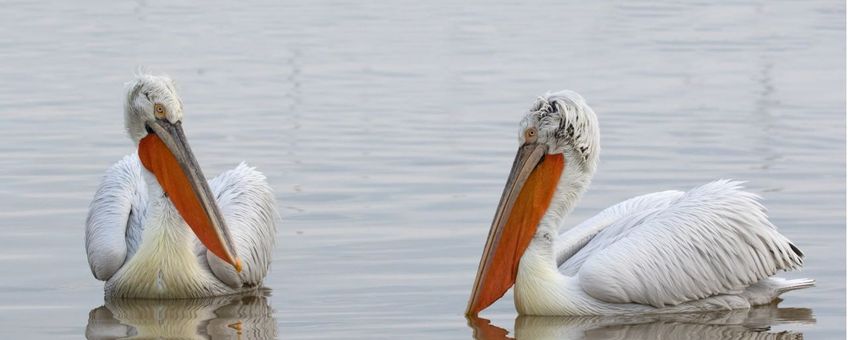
x,y
113,214
249,207
715,239
574,239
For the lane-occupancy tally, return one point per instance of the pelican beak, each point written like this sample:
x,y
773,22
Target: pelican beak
x,y
527,195
165,153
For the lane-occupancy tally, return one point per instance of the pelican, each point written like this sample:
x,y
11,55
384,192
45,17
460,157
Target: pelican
x,y
157,229
711,248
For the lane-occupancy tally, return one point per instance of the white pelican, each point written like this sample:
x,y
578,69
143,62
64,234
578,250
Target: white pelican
x,y
139,229
710,248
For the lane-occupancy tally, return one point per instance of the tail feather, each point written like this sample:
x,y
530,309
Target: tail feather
x,y
767,290
789,285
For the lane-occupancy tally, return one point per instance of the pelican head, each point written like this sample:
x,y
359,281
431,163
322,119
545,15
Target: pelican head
x,y
558,150
563,123
150,97
153,115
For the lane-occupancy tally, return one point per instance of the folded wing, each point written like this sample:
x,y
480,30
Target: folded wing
x,y
114,217
712,240
576,238
250,211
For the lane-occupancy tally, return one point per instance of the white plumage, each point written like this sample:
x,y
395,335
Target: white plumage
x,y
137,240
248,205
706,249
122,209
713,239
710,248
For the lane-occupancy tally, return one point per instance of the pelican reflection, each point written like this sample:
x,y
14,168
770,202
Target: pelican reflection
x,y
742,324
225,317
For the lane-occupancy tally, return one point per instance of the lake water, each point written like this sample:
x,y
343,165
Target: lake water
x,y
387,129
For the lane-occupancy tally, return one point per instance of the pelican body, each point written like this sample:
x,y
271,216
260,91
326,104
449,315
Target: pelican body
x,y
710,248
157,229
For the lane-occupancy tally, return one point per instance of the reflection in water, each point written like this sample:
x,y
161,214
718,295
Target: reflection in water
x,y
227,317
737,324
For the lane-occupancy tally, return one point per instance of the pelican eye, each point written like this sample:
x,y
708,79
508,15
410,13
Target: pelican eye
x,y
530,135
159,110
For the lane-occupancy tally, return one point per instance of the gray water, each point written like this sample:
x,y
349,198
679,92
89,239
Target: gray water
x,y
387,129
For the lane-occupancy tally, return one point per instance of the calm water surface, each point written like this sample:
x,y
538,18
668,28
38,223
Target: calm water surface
x,y
388,128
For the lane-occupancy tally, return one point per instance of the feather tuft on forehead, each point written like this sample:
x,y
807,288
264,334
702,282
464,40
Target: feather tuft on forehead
x,y
567,124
